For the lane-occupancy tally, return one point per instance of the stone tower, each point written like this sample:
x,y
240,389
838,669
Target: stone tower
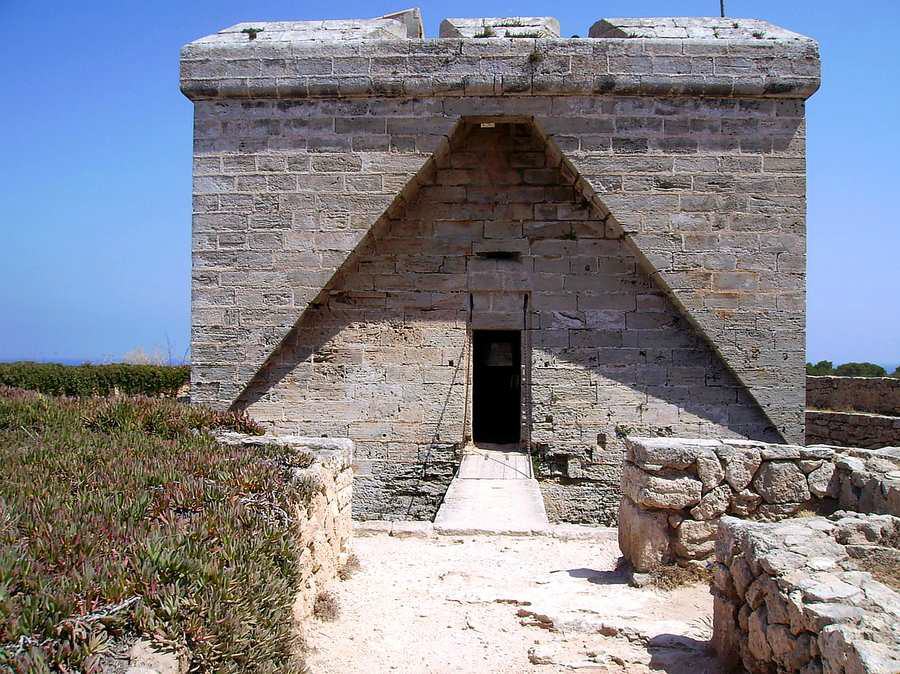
x,y
501,236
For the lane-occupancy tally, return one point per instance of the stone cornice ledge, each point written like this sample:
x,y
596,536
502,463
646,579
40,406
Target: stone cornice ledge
x,y
212,69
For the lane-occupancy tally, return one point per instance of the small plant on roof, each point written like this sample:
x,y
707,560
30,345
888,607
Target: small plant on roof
x,y
252,32
487,31
758,34
509,23
526,33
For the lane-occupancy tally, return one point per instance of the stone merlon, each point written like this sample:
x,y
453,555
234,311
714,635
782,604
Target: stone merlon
x,y
388,56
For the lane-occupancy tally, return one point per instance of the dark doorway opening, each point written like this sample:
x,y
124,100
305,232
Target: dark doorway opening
x,y
497,386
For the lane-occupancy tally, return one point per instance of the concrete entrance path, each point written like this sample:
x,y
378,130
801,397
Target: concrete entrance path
x,y
493,492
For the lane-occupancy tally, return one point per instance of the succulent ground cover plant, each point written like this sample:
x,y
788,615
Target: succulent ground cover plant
x,y
122,517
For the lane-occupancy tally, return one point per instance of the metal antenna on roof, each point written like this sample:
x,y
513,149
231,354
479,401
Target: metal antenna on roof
x,y
722,7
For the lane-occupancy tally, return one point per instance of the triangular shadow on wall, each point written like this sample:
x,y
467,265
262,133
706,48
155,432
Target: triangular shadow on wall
x,y
293,349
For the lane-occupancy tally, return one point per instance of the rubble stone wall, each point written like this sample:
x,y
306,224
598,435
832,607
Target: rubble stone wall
x,y
853,411
852,429
323,511
674,491
798,596
874,395
868,481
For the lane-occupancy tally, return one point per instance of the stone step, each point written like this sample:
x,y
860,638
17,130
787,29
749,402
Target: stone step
x,y
493,495
479,463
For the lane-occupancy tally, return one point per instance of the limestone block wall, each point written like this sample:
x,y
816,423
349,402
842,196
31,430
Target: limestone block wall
x,y
683,314
323,510
674,491
808,595
382,356
853,411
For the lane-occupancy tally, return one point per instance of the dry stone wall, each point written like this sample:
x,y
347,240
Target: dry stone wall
x,y
852,429
853,411
874,395
323,510
798,596
674,491
868,481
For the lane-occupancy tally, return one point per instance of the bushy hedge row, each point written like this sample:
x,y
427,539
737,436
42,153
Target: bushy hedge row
x,y
95,380
126,503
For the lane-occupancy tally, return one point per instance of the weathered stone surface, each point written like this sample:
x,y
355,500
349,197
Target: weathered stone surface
x,y
820,481
864,479
666,452
867,481
781,452
757,642
643,536
713,504
706,28
745,503
725,632
774,512
510,27
655,491
801,614
695,540
323,519
741,464
781,482
709,470
852,429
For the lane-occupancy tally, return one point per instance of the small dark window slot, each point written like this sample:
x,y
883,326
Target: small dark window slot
x,y
500,255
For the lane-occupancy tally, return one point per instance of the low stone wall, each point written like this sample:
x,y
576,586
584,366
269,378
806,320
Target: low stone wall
x,y
868,481
675,490
323,511
795,596
852,429
853,411
876,395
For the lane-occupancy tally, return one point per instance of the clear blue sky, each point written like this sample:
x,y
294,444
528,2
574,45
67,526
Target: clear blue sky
x,y
95,176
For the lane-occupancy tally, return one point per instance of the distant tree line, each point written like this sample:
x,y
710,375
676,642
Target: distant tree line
x,y
825,368
95,380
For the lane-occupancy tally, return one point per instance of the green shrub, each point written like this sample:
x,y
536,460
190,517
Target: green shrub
x,y
826,368
125,503
95,380
860,370
823,368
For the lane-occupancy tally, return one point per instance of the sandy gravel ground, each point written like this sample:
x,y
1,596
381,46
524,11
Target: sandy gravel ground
x,y
505,604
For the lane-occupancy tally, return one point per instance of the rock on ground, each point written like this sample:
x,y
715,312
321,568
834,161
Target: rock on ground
x,y
506,604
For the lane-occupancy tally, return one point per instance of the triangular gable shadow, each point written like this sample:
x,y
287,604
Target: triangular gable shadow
x,y
268,375
259,384
586,190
